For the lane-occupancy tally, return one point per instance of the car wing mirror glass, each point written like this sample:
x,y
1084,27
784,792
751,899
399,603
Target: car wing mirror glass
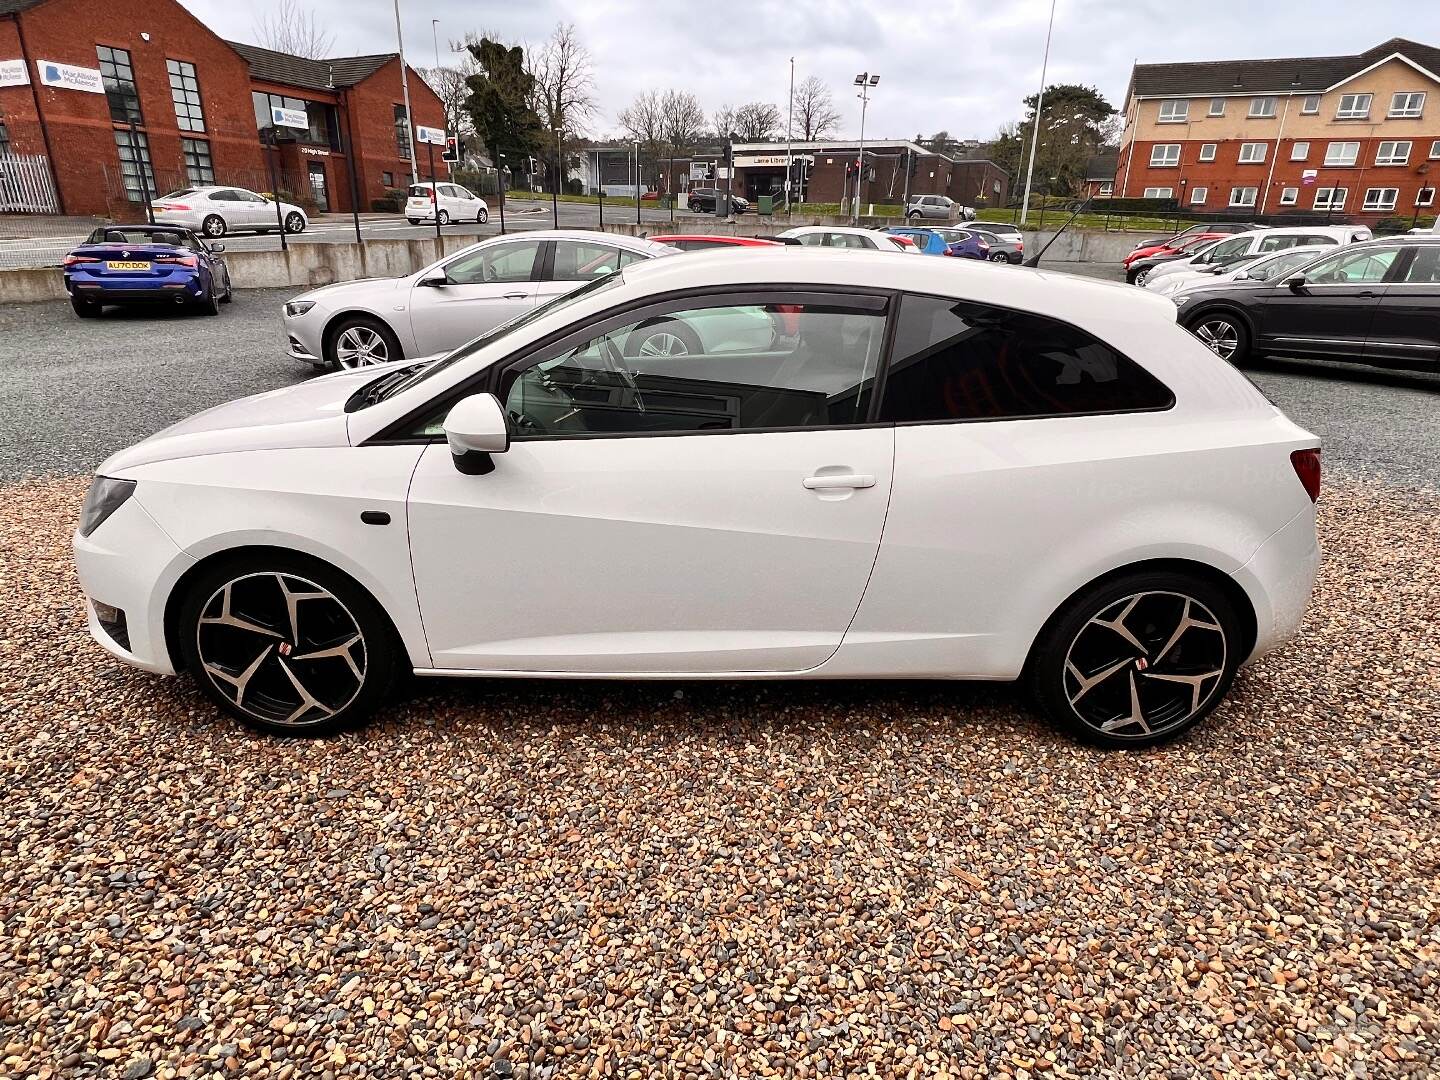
x,y
475,428
215,249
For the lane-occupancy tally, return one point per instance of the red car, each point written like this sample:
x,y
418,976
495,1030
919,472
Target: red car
x,y
706,242
1176,244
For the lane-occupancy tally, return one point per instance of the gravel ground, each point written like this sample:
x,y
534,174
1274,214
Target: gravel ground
x,y
526,879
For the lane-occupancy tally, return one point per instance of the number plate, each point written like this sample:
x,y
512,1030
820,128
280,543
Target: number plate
x,y
120,264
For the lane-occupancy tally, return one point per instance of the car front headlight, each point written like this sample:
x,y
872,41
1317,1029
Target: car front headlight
x,y
298,307
106,495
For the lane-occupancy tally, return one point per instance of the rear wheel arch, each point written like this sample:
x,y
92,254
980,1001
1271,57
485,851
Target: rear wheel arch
x,y
250,555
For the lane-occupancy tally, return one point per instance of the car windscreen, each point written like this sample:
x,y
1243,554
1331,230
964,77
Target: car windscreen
x,y
177,194
564,300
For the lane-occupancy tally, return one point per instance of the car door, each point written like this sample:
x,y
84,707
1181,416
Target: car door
x,y
1406,329
569,263
664,514
1330,313
483,287
256,211
227,203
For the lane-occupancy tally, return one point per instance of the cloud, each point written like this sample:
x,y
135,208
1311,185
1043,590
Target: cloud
x,y
959,65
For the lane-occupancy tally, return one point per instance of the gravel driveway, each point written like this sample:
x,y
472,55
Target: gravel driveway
x,y
727,880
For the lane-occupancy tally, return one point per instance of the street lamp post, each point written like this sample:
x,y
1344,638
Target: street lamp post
x,y
405,93
865,81
789,138
1039,105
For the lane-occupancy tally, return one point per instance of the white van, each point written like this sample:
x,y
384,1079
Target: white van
x,y
1232,249
455,204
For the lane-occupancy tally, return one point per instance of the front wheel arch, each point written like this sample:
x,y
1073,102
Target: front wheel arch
x,y
334,324
251,554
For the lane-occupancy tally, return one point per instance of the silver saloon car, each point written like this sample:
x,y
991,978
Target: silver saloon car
x,y
214,211
376,320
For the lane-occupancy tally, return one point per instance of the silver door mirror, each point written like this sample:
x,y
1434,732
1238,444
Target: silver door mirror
x,y
475,428
217,248
434,280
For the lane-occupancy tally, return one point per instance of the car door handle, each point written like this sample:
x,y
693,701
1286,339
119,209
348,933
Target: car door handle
x,y
1368,293
514,296
839,480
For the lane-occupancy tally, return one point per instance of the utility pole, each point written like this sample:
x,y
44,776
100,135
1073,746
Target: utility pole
x,y
865,81
789,138
1039,107
555,187
405,93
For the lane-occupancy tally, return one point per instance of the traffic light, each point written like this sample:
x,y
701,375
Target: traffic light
x,y
453,149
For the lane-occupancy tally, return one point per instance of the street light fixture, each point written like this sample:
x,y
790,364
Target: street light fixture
x,y
865,81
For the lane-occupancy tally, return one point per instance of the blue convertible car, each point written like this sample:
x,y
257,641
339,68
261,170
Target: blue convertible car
x,y
125,264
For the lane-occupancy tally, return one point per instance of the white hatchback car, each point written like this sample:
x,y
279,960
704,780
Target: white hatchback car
x,y
935,471
214,211
377,320
847,237
455,203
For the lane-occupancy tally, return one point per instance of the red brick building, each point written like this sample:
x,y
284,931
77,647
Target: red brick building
x,y
139,93
1357,136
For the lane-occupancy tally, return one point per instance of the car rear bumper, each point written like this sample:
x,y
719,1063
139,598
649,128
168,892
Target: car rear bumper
x,y
167,290
1279,580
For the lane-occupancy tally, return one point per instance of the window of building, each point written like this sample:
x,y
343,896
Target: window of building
x,y
1289,196
1310,105
1198,196
136,171
4,138
1244,196
1262,108
402,133
1330,198
1174,112
119,79
965,361
1159,193
1299,151
185,93
1252,153
388,179
1425,197
1207,151
1217,106
324,129
1435,150
1339,154
1354,107
1107,187
1407,105
623,382
1380,198
1165,154
1393,152
198,169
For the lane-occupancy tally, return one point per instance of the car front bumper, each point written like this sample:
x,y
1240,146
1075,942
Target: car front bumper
x,y
303,337
131,565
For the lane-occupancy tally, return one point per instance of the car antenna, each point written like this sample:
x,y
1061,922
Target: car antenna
x,y
1034,260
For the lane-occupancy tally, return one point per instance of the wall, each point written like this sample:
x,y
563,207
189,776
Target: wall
x,y
81,133
371,104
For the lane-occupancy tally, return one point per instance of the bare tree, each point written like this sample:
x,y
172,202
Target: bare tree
x,y
757,121
722,121
682,120
564,88
815,112
292,29
644,122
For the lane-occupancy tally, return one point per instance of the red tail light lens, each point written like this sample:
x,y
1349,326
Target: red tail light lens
x,y
172,206
71,260
1307,468
178,260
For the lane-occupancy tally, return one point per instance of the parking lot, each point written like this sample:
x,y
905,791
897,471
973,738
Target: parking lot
x,y
635,880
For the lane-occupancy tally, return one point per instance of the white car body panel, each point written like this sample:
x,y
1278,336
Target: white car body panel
x,y
704,554
467,206
1341,234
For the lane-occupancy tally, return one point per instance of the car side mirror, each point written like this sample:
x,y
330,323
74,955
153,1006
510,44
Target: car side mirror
x,y
475,428
215,249
1295,283
434,280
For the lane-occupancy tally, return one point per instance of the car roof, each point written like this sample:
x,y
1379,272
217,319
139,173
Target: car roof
x,y
716,238
805,230
590,236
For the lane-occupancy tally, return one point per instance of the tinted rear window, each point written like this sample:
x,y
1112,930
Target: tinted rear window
x,y
419,191
956,360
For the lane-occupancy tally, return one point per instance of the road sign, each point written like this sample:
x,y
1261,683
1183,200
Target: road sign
x,y
291,118
68,77
1308,176
430,135
13,73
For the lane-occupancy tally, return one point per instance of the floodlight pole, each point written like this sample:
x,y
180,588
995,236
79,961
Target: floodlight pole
x,y
1039,105
405,93
865,81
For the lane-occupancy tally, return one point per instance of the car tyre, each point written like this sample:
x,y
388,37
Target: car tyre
x,y
1223,333
413,220
663,337
229,295
444,217
213,226
84,308
287,644
1160,645
294,222
1000,256
1140,276
482,217
360,341
209,304
913,215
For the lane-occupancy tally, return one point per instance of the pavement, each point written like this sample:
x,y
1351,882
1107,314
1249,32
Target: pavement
x,y
75,392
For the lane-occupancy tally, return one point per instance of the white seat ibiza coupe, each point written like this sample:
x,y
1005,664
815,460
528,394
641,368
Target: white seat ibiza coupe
x,y
919,469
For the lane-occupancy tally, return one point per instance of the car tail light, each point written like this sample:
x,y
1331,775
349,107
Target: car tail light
x,y
178,260
1307,468
431,193
171,206
71,260
982,245
1019,245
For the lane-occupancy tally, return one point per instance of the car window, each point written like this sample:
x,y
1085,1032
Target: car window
x,y
1227,249
813,239
720,367
419,191
1350,267
581,260
513,261
957,360
847,240
1424,269
1282,265
248,196
224,195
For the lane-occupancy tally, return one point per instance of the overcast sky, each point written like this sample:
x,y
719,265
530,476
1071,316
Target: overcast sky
x,y
958,65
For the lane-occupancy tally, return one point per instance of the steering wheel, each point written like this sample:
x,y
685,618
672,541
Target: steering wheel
x,y
615,361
